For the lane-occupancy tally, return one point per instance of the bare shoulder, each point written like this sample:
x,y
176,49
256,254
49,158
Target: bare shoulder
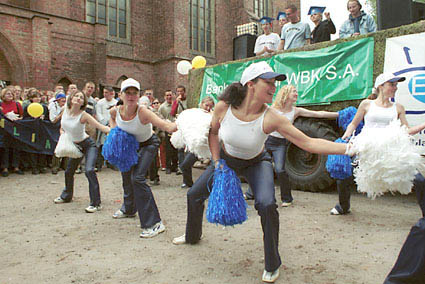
x,y
400,107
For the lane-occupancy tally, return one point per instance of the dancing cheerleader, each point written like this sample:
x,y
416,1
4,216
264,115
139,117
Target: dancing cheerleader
x,y
207,104
377,114
73,123
276,144
240,125
137,120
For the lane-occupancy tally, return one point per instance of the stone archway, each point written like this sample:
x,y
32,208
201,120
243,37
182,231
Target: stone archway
x,y
18,70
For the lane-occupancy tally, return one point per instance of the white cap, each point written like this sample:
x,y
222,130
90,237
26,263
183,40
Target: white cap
x,y
130,82
260,69
387,77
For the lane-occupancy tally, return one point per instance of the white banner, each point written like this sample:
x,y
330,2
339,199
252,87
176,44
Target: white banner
x,y
405,56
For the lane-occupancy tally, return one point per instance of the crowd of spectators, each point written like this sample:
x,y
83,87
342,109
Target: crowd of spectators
x,y
14,102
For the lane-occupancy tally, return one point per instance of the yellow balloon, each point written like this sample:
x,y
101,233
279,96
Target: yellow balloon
x,y
35,110
199,62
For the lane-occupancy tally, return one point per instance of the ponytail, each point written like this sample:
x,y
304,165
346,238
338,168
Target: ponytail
x,y
234,94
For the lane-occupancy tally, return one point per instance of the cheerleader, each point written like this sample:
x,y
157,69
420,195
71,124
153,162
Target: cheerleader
x,y
276,144
137,120
377,113
207,104
73,122
240,125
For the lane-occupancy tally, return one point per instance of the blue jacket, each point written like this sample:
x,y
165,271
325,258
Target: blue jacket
x,y
367,25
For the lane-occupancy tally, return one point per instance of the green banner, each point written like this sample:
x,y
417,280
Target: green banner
x,y
336,73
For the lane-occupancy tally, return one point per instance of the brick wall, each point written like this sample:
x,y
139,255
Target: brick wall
x,y
45,42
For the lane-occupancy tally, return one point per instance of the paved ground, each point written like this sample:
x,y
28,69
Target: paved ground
x,y
46,243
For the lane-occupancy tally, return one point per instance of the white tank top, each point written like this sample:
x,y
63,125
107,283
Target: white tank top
x,y
73,127
241,139
379,117
289,115
142,132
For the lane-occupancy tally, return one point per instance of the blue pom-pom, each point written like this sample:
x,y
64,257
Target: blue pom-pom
x,y
339,166
345,116
226,204
120,149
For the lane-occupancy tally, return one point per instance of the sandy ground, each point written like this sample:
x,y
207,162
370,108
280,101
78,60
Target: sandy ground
x,y
42,242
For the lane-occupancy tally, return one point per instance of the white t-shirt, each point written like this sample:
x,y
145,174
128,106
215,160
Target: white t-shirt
x,y
102,110
271,40
295,35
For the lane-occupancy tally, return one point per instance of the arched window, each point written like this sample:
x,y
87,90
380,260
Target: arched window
x,y
65,82
202,26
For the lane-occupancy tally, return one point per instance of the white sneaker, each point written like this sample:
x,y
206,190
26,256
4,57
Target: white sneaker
x,y
286,204
153,231
119,214
92,209
270,277
180,240
334,211
59,200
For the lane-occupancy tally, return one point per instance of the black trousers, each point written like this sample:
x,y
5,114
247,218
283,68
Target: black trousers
x,y
171,159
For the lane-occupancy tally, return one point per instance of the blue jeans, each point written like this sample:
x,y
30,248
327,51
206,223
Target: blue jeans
x,y
186,167
137,193
89,149
277,149
259,174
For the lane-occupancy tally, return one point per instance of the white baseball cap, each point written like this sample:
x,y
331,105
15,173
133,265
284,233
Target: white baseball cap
x,y
387,77
262,70
130,82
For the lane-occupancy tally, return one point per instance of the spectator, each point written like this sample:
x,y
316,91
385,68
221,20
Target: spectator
x,y
71,88
268,42
179,105
281,17
323,29
170,152
55,114
9,105
295,33
153,170
103,107
18,94
358,23
38,162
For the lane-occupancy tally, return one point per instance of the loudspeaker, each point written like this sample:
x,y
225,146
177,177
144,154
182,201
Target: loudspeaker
x,y
395,13
243,46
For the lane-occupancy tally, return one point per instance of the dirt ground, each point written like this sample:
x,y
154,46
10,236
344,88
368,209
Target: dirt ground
x,y
42,242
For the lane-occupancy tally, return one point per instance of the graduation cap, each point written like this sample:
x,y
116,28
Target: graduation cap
x,y
315,10
281,15
265,20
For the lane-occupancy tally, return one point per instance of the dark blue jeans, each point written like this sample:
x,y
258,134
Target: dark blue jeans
x,y
88,147
419,186
137,193
186,168
410,265
277,149
259,174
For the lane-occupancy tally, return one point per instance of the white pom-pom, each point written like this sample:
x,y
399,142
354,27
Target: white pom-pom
x,y
177,139
194,125
387,160
67,148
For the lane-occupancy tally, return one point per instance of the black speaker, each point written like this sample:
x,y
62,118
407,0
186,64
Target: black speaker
x,y
243,46
395,13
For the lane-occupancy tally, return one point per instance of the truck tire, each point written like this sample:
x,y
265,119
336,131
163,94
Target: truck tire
x,y
307,171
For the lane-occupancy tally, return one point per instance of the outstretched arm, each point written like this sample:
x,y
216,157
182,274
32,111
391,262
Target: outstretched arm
x,y
87,118
316,114
147,116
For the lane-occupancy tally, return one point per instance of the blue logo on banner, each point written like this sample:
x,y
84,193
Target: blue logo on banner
x,y
417,87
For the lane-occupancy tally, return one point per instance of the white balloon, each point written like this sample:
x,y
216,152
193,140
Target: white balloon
x,y
183,67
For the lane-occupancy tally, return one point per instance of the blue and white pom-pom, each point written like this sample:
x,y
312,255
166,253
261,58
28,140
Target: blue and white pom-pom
x,y
345,116
339,166
193,127
120,149
226,204
386,160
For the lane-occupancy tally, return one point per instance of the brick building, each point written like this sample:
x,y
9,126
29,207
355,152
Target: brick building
x,y
44,42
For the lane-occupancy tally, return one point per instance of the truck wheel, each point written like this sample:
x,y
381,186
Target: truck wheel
x,y
307,171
